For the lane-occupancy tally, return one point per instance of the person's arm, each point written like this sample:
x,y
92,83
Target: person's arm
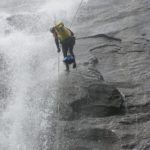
x,y
57,42
73,37
56,39
72,34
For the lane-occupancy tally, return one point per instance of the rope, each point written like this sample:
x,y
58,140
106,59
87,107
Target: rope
x,y
70,27
58,63
76,13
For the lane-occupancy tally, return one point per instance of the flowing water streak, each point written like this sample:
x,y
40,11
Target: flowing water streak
x,y
28,121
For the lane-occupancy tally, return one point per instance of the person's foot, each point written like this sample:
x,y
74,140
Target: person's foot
x,y
67,67
67,70
74,65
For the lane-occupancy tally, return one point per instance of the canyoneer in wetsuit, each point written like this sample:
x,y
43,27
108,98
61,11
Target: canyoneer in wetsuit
x,y
66,37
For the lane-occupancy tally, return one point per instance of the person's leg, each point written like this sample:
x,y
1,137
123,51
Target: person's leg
x,y
71,46
64,50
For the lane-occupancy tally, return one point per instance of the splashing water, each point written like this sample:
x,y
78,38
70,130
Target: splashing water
x,y
27,117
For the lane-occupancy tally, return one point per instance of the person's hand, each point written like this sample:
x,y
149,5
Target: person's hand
x,y
58,50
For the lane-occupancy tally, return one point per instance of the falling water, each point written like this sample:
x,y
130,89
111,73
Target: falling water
x,y
29,72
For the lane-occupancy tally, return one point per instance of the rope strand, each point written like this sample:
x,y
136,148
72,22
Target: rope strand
x,y
76,13
58,62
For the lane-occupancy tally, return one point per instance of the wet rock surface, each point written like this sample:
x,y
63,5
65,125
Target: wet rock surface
x,y
4,89
88,97
108,107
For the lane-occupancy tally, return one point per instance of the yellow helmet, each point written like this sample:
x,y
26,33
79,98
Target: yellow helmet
x,y
59,24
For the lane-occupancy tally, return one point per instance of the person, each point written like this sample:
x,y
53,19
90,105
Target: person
x,y
65,37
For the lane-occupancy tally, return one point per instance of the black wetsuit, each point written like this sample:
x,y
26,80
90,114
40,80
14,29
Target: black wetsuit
x,y
68,45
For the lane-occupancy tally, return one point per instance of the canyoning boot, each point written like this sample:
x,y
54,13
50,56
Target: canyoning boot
x,y
67,67
74,66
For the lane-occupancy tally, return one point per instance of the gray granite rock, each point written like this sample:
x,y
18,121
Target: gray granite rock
x,y
116,35
4,89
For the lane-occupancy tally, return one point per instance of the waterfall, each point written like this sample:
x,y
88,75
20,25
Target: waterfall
x,y
29,72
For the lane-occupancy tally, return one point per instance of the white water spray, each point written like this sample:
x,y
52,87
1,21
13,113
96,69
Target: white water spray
x,y
27,121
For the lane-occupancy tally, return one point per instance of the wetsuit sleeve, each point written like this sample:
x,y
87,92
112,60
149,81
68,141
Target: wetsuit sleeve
x,y
73,37
72,34
57,43
56,40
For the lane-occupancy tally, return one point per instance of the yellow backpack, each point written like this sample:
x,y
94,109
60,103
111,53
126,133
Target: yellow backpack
x,y
62,32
